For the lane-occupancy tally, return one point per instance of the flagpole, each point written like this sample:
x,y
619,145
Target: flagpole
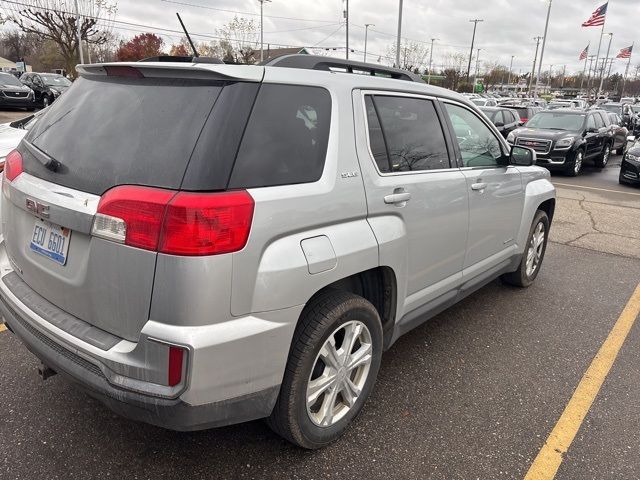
x,y
599,46
604,64
586,57
598,54
626,71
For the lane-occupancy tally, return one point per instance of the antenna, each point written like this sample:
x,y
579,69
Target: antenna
x,y
193,47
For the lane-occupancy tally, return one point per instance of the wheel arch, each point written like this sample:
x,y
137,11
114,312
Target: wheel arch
x,y
378,285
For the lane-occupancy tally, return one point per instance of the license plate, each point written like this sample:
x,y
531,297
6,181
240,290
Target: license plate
x,y
50,240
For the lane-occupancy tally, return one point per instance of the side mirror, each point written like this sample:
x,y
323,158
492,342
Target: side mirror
x,y
592,130
522,156
499,124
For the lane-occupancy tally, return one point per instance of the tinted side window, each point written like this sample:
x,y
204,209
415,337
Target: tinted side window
x,y
598,119
478,146
286,138
376,138
413,133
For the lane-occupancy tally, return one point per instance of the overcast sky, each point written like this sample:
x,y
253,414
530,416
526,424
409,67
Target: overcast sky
x,y
508,28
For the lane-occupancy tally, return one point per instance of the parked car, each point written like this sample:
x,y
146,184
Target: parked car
x,y
564,139
47,86
14,94
253,255
525,112
484,102
12,133
504,119
556,104
619,133
623,110
630,166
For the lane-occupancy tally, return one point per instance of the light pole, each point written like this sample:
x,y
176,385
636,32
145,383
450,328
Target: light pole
x,y
544,42
399,34
473,39
366,31
262,29
475,75
431,59
535,59
604,64
78,32
510,69
346,23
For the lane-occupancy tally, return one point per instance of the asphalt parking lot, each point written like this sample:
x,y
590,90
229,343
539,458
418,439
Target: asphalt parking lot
x,y
474,393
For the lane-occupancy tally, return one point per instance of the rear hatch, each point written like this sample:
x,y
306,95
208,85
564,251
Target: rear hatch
x,y
141,126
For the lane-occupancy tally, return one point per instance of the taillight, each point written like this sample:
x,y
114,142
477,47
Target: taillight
x,y
524,119
176,360
207,224
12,166
182,223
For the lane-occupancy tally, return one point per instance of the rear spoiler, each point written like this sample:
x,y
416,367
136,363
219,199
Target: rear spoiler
x,y
163,69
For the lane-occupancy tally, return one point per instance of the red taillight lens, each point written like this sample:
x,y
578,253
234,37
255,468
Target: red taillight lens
x,y
12,166
524,120
141,209
207,224
181,223
176,359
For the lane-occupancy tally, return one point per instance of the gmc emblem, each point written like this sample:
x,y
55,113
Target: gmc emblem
x,y
38,208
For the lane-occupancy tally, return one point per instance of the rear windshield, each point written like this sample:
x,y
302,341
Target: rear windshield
x,y
180,134
114,130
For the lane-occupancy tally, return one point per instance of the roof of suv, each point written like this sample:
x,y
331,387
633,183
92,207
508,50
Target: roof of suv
x,y
257,73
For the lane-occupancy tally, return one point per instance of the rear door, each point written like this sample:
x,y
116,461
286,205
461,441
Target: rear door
x,y
595,138
496,197
107,131
416,198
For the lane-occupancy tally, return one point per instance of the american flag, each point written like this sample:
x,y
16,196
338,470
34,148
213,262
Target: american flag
x,y
584,53
625,52
597,18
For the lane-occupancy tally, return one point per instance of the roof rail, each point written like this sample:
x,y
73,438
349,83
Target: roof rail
x,y
317,62
182,59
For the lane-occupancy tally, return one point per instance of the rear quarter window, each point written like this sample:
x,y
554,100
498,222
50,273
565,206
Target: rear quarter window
x,y
285,140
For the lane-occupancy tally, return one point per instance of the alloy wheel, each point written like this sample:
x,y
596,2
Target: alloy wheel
x,y
339,373
577,166
605,155
534,253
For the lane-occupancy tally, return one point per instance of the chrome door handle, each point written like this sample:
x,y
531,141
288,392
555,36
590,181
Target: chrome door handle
x,y
478,186
396,198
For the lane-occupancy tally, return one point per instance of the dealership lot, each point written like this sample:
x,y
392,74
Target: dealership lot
x,y
472,394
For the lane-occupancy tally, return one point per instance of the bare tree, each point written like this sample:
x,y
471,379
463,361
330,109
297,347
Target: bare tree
x,y
412,55
55,20
243,36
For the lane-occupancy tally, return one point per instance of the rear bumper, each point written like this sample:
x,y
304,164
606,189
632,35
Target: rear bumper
x,y
168,413
233,370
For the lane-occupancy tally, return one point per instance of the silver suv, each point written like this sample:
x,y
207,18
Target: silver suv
x,y
199,244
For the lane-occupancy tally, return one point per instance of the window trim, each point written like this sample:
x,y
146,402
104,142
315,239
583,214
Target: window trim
x,y
504,147
442,120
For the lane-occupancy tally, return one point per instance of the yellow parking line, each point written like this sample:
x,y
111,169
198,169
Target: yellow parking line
x,y
546,464
2,327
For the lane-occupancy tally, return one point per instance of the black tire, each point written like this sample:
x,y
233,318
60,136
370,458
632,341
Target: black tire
x,y
574,168
46,101
320,319
620,151
520,278
603,158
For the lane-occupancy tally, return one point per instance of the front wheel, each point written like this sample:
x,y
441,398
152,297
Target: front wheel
x,y
575,168
603,159
331,370
46,101
534,254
